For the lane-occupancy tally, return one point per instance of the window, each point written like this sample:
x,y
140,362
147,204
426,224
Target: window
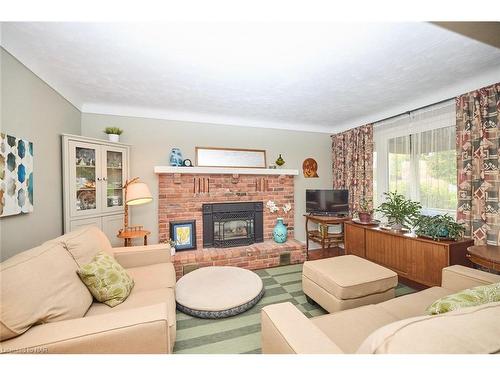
x,y
417,158
399,165
437,170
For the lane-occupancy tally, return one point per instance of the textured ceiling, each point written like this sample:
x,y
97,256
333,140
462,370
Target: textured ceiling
x,y
318,77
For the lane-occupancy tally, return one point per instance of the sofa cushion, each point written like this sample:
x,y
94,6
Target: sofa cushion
x,y
140,299
469,297
155,276
348,328
413,304
108,282
40,286
457,278
83,244
474,330
350,276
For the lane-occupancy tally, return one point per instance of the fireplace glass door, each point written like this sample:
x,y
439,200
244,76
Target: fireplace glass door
x,y
233,232
232,224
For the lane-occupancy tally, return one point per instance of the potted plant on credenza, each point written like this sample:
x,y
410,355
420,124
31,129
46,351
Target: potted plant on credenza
x,y
399,211
439,227
365,212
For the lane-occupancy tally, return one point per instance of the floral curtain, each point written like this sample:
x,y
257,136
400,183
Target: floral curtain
x,y
478,142
352,153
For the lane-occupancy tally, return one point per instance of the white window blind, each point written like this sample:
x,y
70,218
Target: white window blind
x,y
415,156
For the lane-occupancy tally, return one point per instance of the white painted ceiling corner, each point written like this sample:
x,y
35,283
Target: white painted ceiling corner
x,y
199,118
319,77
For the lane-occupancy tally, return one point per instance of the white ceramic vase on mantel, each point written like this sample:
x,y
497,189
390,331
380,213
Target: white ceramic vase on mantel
x,y
113,138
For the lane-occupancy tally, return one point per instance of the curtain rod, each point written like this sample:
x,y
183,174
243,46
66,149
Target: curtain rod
x,y
411,111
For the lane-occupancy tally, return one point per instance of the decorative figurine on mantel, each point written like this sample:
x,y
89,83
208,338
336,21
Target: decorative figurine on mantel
x,y
176,157
279,162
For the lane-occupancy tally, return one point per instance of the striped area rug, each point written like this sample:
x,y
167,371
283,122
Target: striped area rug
x,y
241,333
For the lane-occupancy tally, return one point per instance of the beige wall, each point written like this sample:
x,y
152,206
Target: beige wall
x,y
152,140
32,110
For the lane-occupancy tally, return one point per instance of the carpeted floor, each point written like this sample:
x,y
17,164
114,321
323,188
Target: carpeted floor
x,y
241,333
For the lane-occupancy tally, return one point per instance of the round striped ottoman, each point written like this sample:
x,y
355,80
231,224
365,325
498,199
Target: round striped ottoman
x,y
218,292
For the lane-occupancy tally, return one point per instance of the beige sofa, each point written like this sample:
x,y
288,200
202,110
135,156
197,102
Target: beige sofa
x,y
398,325
45,308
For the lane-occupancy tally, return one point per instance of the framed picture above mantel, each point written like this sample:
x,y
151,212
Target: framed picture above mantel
x,y
230,157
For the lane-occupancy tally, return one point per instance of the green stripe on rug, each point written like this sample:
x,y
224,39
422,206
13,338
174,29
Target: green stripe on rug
x,y
241,333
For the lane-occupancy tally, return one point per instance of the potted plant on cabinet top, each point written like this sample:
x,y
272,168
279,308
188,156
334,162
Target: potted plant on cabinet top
x,y
365,212
113,133
439,227
399,211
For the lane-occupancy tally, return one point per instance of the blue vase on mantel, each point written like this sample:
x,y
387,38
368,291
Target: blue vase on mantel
x,y
175,157
280,231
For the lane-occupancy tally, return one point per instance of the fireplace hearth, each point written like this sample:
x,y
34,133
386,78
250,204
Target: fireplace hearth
x,y
232,224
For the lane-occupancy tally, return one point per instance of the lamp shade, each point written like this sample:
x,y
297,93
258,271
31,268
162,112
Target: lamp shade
x,y
137,193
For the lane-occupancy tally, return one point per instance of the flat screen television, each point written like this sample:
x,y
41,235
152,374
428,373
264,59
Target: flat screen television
x,y
327,202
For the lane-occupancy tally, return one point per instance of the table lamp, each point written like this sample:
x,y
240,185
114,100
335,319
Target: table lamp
x,y
136,193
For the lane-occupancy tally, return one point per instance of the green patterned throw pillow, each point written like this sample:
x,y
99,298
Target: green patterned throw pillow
x,y
107,280
466,298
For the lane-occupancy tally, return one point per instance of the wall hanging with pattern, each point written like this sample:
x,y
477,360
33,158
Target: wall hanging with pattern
x,y
16,175
310,168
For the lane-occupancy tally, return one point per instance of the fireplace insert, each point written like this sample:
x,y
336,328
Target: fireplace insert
x,y
232,224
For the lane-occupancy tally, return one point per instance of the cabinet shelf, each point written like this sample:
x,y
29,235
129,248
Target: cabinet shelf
x,y
316,234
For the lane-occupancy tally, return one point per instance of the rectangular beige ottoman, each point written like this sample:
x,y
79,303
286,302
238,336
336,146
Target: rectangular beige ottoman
x,y
348,281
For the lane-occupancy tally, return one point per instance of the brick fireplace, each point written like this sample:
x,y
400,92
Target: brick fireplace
x,y
182,196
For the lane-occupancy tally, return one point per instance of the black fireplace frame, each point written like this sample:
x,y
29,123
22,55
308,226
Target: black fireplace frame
x,y
242,210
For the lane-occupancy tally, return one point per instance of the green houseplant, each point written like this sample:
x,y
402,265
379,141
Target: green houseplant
x,y
365,212
399,211
113,133
439,227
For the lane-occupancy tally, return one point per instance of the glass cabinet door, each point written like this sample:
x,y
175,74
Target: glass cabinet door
x,y
114,178
84,178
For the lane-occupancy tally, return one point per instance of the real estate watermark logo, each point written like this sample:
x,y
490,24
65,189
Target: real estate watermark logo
x,y
36,350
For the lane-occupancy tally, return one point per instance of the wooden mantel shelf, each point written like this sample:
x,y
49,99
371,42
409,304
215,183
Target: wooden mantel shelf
x,y
220,170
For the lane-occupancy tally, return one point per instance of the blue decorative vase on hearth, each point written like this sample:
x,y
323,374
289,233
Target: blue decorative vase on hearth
x,y
280,231
175,157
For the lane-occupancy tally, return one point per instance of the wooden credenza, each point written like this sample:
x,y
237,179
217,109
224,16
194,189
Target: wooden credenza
x,y
413,258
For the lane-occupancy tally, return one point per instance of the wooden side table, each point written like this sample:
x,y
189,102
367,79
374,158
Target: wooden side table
x,y
129,235
487,256
325,239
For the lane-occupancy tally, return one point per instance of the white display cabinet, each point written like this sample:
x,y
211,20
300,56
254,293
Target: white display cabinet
x,y
94,172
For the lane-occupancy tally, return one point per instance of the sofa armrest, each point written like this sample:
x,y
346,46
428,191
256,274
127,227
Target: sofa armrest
x,y
285,330
139,256
457,278
139,330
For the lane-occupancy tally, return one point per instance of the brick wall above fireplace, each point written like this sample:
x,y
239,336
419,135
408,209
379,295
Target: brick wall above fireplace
x,y
181,197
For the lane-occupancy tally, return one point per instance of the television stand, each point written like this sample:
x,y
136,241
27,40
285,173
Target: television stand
x,y
328,214
322,237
